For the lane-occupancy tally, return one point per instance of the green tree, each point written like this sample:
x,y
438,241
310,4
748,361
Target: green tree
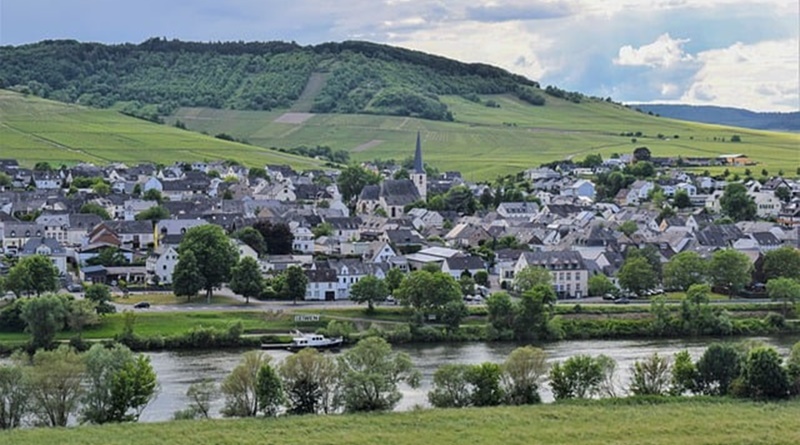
x,y
311,382
481,278
450,388
278,237
501,311
154,214
763,376
783,193
14,396
600,285
533,313
80,314
246,279
101,297
685,269
452,314
783,262
731,270
682,200
636,275
684,374
650,376
214,253
428,292
153,195
467,285
240,387
522,372
717,369
296,283
580,376
353,179
120,385
531,276
33,274
628,228
736,204
394,277
485,381
323,229
200,395
252,238
370,373
793,369
56,385
101,188
698,317
187,279
95,209
108,257
369,289
785,290
269,390
43,317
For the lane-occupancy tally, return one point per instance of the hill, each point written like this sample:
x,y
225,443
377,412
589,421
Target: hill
x,y
736,117
34,129
696,422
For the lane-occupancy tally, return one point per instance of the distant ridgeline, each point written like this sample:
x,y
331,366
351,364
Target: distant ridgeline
x,y
155,77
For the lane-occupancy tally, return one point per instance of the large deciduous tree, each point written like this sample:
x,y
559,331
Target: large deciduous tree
x,y
737,204
33,274
246,279
240,387
531,276
369,289
56,385
783,262
685,269
295,283
278,237
522,371
717,369
428,292
731,270
637,275
763,376
187,280
311,382
252,238
580,376
353,179
785,290
14,396
44,317
214,253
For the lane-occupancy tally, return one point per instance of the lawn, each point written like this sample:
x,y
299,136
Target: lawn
x,y
171,299
686,422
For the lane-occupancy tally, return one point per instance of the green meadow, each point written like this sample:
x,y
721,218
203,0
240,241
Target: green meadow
x,y
698,422
34,130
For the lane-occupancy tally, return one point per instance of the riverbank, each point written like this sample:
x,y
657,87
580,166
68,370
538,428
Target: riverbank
x,y
654,422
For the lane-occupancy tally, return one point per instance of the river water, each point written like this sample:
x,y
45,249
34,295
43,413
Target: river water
x,y
177,370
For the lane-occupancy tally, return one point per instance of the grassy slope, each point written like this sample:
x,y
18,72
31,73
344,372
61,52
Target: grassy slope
x,y
482,144
700,422
33,130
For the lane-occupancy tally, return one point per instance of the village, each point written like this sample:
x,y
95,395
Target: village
x,y
121,225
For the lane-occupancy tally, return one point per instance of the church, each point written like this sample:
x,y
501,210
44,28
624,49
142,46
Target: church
x,y
392,195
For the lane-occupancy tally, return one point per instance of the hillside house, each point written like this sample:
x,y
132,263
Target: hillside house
x,y
568,269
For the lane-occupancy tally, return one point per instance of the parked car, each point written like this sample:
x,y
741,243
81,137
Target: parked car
x,y
390,300
622,300
74,287
141,305
609,297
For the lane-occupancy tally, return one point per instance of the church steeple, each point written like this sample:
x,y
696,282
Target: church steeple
x,y
418,176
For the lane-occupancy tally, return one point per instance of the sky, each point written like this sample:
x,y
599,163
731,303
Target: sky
x,y
739,53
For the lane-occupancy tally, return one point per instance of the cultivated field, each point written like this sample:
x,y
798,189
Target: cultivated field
x,y
682,422
33,130
485,142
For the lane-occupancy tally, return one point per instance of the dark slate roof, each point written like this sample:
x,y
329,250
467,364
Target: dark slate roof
x,y
399,192
370,193
563,209
465,263
344,223
554,258
130,227
404,237
310,192
29,248
718,235
766,239
321,276
419,167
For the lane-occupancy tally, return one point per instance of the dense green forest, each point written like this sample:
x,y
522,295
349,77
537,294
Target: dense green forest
x,y
156,77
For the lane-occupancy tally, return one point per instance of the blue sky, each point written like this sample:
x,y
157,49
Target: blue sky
x,y
741,53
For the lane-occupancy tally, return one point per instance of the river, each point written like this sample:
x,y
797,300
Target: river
x,y
177,370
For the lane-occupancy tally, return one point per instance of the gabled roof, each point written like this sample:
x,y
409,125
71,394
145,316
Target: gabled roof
x,y
465,263
29,248
399,192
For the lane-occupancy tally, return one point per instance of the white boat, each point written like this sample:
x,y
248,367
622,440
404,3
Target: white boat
x,y
317,341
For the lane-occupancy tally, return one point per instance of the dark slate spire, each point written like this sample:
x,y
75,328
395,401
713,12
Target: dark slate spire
x,y
418,166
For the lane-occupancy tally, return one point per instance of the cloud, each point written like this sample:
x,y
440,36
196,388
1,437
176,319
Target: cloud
x,y
663,53
502,12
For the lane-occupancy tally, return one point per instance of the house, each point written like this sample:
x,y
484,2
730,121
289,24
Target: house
x,y
55,226
131,234
522,210
737,159
16,234
322,284
457,266
582,188
349,271
568,269
467,234
303,239
767,205
160,264
49,248
638,192
378,252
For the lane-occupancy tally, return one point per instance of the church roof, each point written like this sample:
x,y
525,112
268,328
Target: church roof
x,y
418,165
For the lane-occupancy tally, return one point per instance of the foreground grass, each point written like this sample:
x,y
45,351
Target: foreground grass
x,y
171,299
687,422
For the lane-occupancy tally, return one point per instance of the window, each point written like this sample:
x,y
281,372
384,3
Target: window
x,y
569,276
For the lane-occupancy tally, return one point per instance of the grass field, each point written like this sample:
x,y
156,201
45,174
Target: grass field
x,y
33,130
171,299
682,422
485,142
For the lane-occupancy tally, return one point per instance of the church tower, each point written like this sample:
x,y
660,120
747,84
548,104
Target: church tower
x,y
418,176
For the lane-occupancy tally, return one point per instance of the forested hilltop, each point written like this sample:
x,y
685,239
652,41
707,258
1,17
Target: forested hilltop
x,y
156,77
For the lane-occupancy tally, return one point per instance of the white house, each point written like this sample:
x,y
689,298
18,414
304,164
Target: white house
x,y
160,265
581,188
767,205
49,248
569,272
303,239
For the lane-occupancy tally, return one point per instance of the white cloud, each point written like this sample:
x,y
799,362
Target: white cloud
x,y
663,53
761,76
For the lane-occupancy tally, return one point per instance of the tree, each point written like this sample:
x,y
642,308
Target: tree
x,y
467,285
531,276
153,195
108,257
450,387
600,285
730,269
394,277
717,369
353,179
370,373
763,376
428,292
56,385
252,238
14,396
295,284
533,313
187,280
485,382
628,228
783,193
685,269
94,209
278,237
246,279
784,290
323,229
33,274
200,395
154,214
650,376
369,290
44,317
214,253
311,382
481,278
81,313
682,200
636,275
641,154
783,262
101,297
101,188
269,390
120,385
579,377
684,374
522,371
793,369
452,314
501,311
240,387
736,204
